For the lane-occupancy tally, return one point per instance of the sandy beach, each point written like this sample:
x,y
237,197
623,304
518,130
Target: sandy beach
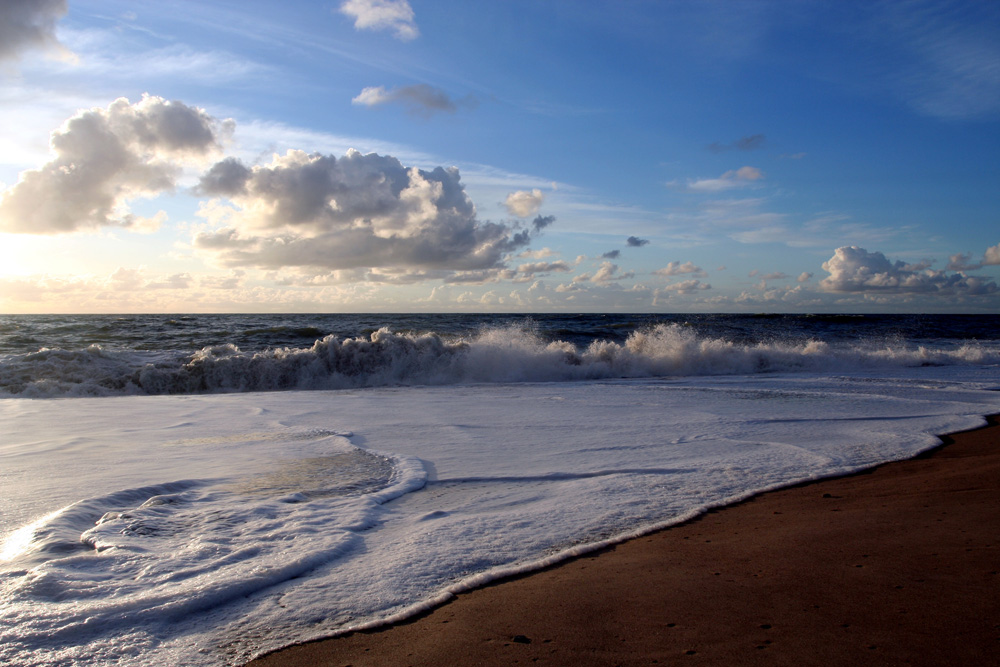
x,y
896,565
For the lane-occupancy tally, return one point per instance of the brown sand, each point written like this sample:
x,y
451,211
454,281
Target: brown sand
x,y
897,565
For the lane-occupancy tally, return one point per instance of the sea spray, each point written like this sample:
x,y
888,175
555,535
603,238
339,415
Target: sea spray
x,y
511,353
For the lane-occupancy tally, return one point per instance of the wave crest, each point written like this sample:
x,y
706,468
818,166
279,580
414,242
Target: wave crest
x,y
515,353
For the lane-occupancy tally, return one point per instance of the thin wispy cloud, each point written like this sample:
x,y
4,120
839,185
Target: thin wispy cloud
x,y
748,143
736,178
394,15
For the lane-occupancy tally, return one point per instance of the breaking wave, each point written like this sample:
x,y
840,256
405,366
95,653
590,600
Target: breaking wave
x,y
503,354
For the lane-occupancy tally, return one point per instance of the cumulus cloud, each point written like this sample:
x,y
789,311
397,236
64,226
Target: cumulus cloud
x,y
420,99
854,269
804,277
611,254
31,24
736,178
963,261
395,15
524,203
677,269
606,272
635,242
104,159
749,143
992,256
358,211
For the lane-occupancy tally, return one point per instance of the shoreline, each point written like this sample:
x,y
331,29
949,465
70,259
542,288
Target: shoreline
x,y
897,564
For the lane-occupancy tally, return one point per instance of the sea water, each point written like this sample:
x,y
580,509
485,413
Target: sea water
x,y
198,490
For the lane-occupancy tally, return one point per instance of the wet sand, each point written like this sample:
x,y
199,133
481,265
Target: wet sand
x,y
899,565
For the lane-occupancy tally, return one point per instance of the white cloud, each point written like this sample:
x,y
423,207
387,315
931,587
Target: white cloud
x,y
608,272
992,256
736,178
104,159
524,203
854,269
677,269
804,277
420,99
31,24
395,15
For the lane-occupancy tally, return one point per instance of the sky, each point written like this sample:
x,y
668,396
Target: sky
x,y
504,156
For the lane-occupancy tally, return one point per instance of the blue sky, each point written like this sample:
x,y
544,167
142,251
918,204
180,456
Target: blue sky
x,y
385,155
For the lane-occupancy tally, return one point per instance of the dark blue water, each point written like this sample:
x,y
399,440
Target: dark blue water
x,y
21,334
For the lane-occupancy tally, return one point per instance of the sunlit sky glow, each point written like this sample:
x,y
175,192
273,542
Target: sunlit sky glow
x,y
508,156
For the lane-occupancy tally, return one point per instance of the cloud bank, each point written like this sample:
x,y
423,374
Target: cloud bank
x,y
104,159
853,269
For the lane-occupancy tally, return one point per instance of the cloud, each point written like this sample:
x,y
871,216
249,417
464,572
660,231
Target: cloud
x,y
635,242
854,269
992,256
677,269
530,270
804,277
396,15
963,261
420,99
686,287
104,159
542,221
541,253
524,203
607,272
611,254
358,211
736,178
31,24
749,143
947,56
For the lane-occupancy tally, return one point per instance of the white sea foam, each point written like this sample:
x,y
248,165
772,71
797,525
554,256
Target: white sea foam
x,y
203,530
507,354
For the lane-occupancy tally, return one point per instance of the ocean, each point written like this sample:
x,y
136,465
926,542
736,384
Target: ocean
x,y
199,489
